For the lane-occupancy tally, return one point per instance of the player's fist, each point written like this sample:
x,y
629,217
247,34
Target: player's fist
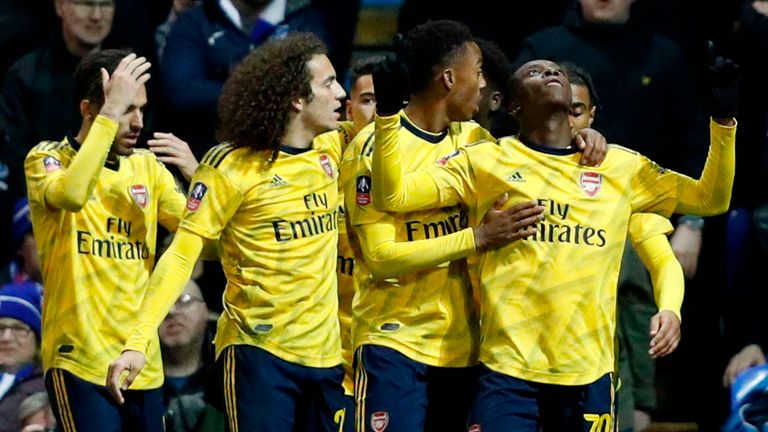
x,y
724,97
390,83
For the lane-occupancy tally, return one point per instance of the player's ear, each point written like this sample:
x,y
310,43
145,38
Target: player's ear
x,y
447,78
298,104
86,110
495,103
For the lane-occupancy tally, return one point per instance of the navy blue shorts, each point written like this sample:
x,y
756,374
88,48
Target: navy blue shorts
x,y
395,393
84,407
265,393
506,404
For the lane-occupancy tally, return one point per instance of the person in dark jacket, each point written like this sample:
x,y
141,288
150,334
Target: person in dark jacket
x,y
205,44
37,101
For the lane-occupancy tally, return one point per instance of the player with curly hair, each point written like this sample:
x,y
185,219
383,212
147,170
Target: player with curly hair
x,y
269,195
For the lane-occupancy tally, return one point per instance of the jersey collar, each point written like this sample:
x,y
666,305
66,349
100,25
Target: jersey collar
x,y
421,133
548,150
75,144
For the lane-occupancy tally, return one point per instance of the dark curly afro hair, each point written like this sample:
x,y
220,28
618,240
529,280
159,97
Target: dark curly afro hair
x,y
256,100
431,46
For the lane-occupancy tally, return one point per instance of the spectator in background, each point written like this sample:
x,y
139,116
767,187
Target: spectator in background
x,y
35,413
20,371
25,24
161,32
26,265
38,96
187,357
210,39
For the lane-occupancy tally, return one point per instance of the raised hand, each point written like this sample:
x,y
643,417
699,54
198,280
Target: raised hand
x,y
390,82
121,87
724,76
173,150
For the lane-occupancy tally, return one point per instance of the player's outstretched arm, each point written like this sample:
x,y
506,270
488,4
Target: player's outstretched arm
x,y
164,287
386,257
72,188
711,194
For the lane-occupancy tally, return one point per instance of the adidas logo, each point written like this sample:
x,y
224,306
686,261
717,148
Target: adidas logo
x,y
277,181
516,177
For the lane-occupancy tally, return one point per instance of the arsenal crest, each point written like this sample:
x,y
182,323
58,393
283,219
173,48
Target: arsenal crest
x,y
325,162
196,196
591,182
140,195
363,190
379,421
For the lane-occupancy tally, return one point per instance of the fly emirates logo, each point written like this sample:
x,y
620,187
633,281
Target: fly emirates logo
x,y
557,229
119,245
320,221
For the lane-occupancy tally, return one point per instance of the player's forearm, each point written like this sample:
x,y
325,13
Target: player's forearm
x,y
387,258
392,190
166,284
72,189
711,194
666,273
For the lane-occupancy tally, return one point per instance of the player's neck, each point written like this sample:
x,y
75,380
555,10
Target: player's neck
x,y
427,113
297,136
551,131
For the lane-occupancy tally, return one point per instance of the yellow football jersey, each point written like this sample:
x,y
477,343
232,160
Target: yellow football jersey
x,y
426,315
643,226
345,261
96,261
277,225
548,301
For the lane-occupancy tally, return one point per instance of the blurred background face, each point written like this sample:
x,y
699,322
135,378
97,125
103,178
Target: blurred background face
x,y
17,344
361,105
86,22
186,322
582,112
606,11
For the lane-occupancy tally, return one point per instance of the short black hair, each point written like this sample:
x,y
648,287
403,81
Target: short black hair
x,y
88,83
496,66
360,68
431,46
580,77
